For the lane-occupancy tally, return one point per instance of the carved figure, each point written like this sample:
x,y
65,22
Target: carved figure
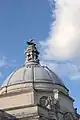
x,y
50,103
43,101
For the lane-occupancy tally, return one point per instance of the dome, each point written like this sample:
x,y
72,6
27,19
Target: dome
x,y
32,71
32,74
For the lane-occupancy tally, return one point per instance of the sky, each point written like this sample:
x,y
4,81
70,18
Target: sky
x,y
53,28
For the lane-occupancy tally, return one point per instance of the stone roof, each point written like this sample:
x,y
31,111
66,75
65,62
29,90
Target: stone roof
x,y
32,74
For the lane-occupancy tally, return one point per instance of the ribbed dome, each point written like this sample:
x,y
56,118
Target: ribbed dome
x,y
32,74
32,71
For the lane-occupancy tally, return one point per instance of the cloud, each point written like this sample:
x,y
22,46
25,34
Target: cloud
x,y
63,41
61,50
53,66
6,63
64,69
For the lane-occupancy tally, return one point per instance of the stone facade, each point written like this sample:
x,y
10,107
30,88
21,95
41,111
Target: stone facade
x,y
36,104
34,92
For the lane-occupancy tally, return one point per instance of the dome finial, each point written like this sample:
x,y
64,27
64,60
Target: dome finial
x,y
31,53
31,42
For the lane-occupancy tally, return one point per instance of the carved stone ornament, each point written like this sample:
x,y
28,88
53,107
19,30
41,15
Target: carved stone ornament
x,y
68,116
49,102
43,100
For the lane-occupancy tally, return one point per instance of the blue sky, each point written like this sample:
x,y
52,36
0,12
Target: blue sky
x,y
19,22
24,20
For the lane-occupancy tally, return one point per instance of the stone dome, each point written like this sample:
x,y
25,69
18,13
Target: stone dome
x,y
32,71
